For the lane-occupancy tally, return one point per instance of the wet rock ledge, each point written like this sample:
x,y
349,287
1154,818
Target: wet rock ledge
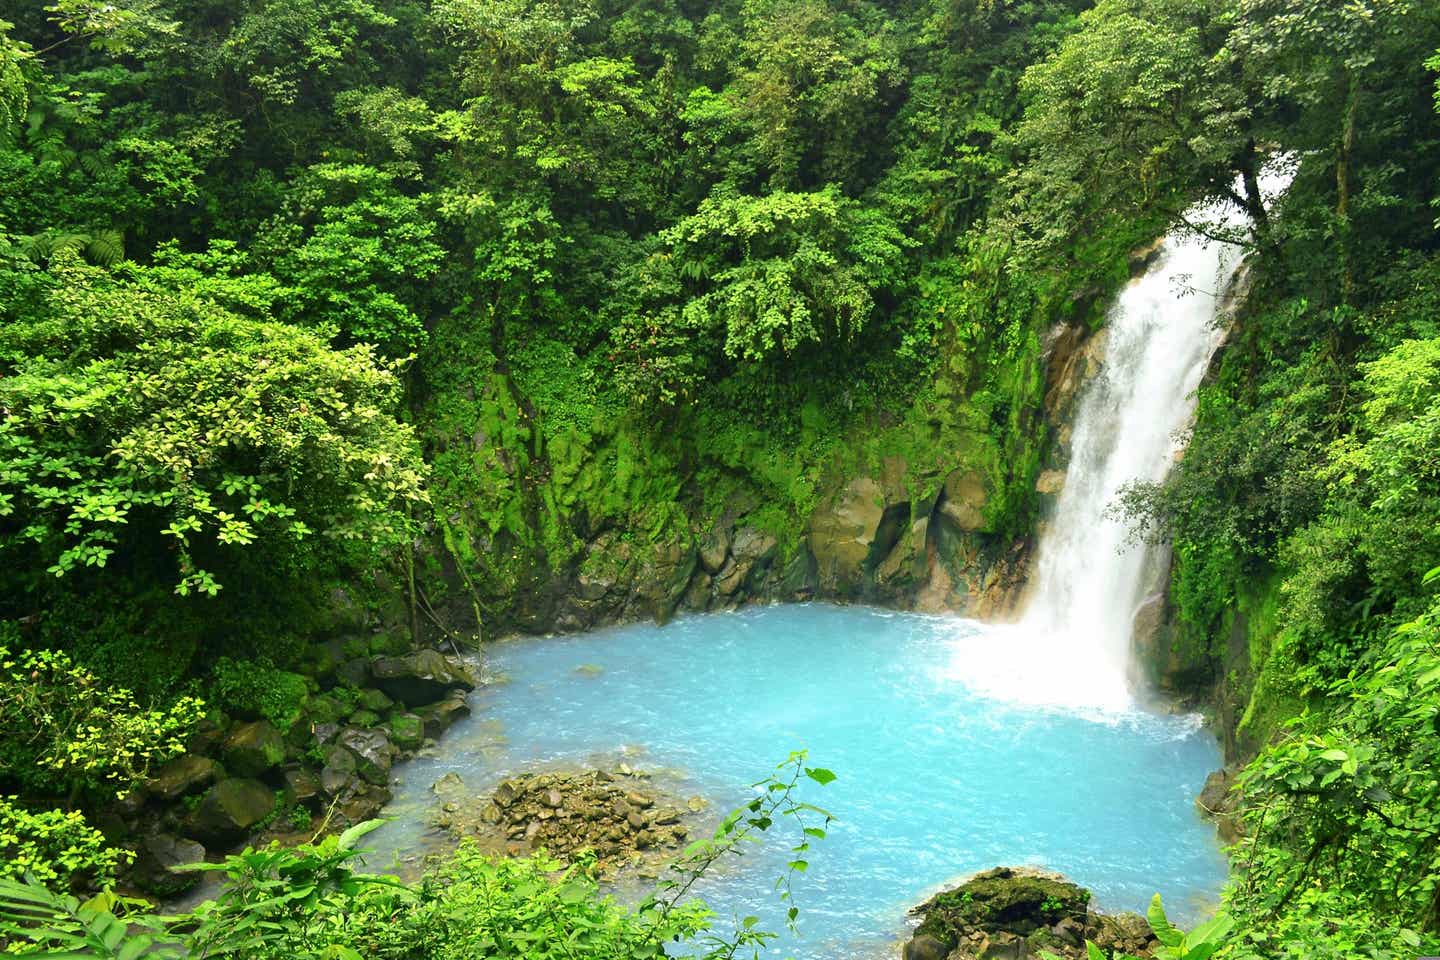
x,y
1015,913
623,820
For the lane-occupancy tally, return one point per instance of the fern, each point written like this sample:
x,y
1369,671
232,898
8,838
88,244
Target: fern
x,y
62,927
103,248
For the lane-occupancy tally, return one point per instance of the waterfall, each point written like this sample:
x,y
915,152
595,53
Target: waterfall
x,y
1071,647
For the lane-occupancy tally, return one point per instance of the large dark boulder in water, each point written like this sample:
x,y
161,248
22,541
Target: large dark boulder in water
x,y
1018,912
422,677
230,808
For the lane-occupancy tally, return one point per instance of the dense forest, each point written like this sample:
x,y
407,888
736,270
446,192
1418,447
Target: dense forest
x,y
344,329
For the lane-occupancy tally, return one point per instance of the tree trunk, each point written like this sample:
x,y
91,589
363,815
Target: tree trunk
x,y
1342,186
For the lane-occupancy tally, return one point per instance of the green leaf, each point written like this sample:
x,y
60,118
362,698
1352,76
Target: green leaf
x,y
820,775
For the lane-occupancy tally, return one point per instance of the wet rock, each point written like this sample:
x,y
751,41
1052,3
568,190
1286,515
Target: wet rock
x,y
156,860
230,808
303,784
323,708
339,770
423,677
182,776
253,748
439,717
373,751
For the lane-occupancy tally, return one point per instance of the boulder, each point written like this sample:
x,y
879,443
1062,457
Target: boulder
x,y
156,860
422,677
438,717
373,752
1009,913
714,549
354,672
303,784
182,776
924,947
323,708
253,748
753,545
230,808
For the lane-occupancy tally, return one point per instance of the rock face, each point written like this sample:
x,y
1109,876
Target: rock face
x,y
843,530
422,677
1015,913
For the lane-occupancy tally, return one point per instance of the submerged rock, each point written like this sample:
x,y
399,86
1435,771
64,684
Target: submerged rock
x,y
1015,913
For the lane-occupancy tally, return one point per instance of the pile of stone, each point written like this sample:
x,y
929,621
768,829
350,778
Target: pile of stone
x,y
1016,913
622,820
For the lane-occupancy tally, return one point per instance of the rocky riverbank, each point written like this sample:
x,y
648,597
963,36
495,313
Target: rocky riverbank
x,y
247,780
1016,913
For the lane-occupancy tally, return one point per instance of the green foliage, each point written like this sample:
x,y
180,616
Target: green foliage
x,y
142,421
1341,852
256,688
55,847
63,732
310,902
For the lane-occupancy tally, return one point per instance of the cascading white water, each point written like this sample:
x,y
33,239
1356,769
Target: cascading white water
x,y
1072,646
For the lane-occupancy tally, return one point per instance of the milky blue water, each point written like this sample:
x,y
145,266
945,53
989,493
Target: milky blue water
x,y
934,781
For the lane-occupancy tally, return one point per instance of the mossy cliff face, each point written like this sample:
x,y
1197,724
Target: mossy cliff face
x,y
560,509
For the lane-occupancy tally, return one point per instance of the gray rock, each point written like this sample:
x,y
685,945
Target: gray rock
x,y
253,748
422,677
438,717
373,752
182,776
156,859
303,784
230,808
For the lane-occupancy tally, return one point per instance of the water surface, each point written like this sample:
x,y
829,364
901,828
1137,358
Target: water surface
x,y
935,780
